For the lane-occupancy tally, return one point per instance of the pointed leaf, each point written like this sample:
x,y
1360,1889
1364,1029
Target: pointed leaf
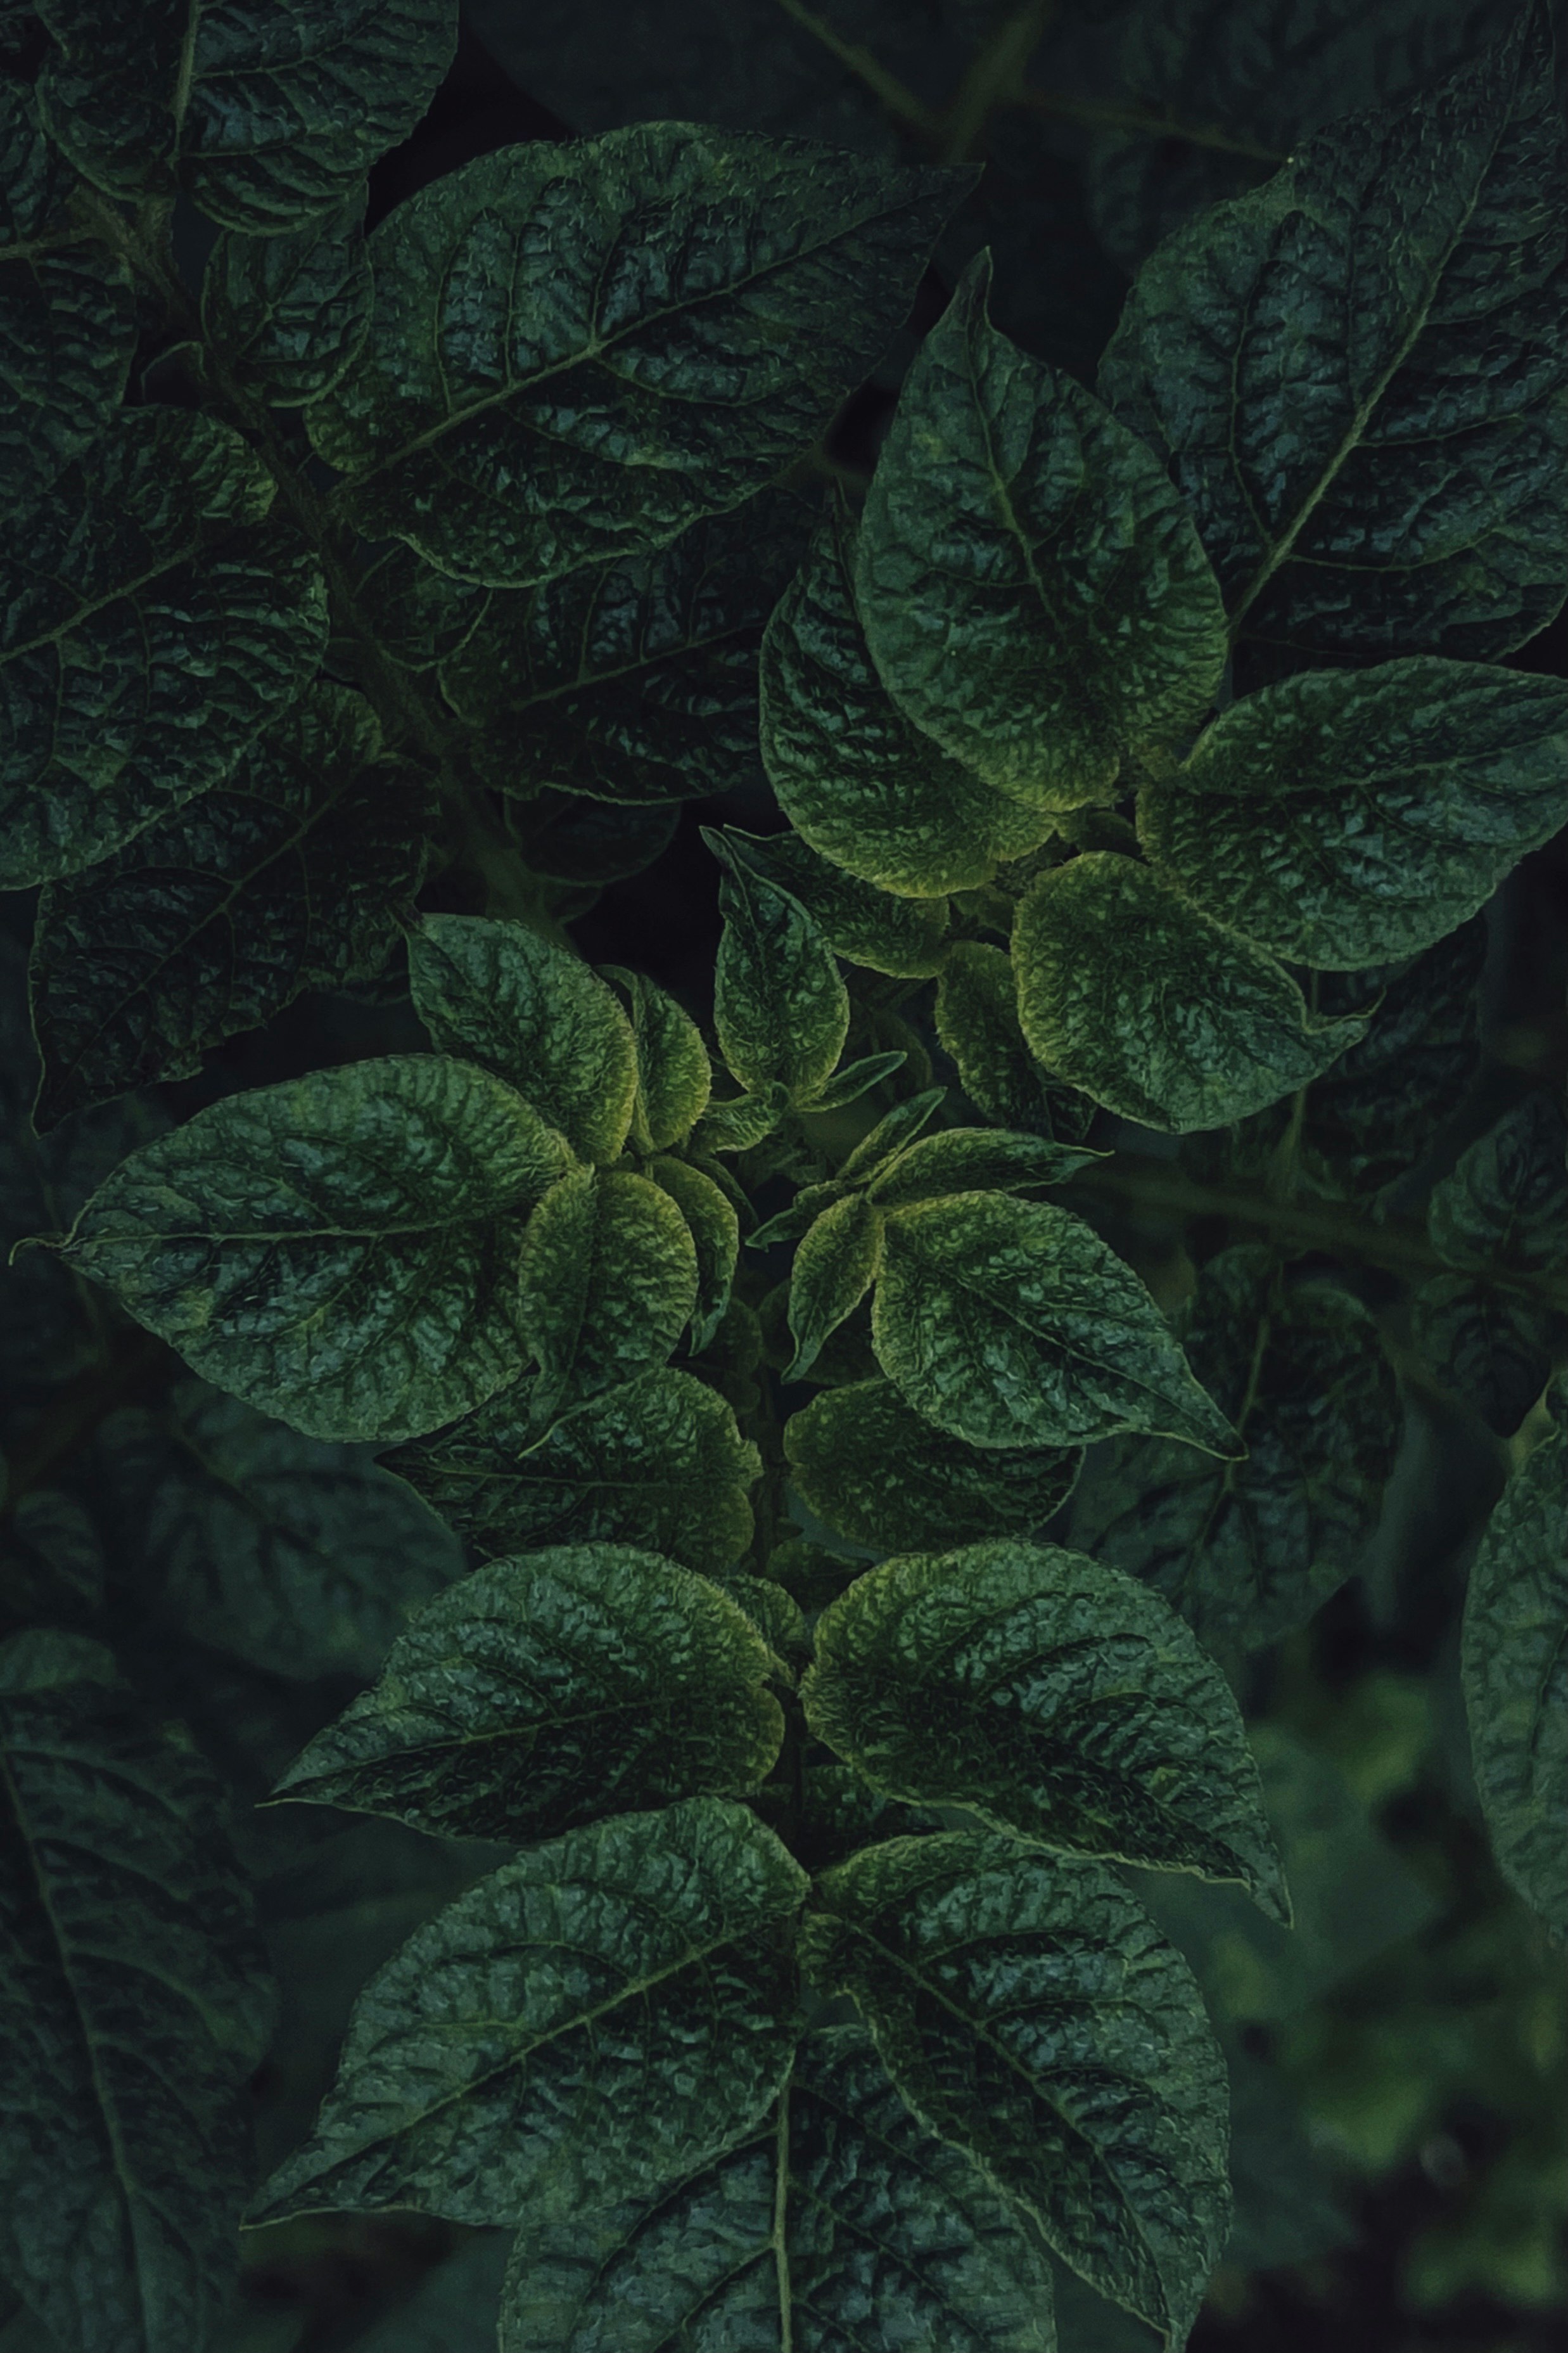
x,y
674,1076
834,1268
289,313
977,1021
715,1228
780,1006
893,1132
904,937
973,1160
607,1278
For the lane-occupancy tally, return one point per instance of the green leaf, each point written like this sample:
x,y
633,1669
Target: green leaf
x,y
1354,374
286,876
973,1160
607,1278
674,1076
298,1558
343,1251
862,785
977,1022
265,112
1515,1669
1344,818
1050,1695
1034,593
714,296
894,1131
540,1693
780,1006
1248,1549
155,618
1494,1347
1029,2011
835,2213
1200,1028
834,1268
611,2009
573,840
139,2006
456,2307
904,937
287,314
1011,1324
1506,1201
866,1463
739,1121
659,1462
715,1229
853,1079
534,1013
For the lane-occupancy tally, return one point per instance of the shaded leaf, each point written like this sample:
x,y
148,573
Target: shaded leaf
x,y
455,2308
1506,1202
977,1021
869,927
287,314
715,1229
780,1006
570,839
1493,1345
607,1277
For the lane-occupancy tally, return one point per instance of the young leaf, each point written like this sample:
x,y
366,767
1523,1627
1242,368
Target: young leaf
x,y
977,1022
264,114
867,1464
343,1250
607,1278
1344,817
1200,1028
534,1013
287,314
610,2011
713,295
860,783
1033,594
780,1006
1354,374
1516,1681
739,1121
155,616
1506,1202
1493,1345
1030,2012
674,1076
894,1131
139,2006
1050,1695
973,1160
1011,1324
853,1079
715,1229
540,1693
835,2212
286,876
905,937
834,1268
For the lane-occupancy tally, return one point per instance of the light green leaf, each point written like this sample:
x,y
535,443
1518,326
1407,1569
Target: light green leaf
x,y
1355,375
1030,2012
1033,594
286,876
860,783
343,1251
674,1076
611,2009
834,1268
713,296
607,1278
715,1228
137,2007
904,937
1011,1324
977,1022
738,1122
545,1690
1050,1695
155,616
1345,819
872,1468
287,314
1506,1201
1248,1549
1200,1028
973,1160
535,1014
837,2211
1515,1667
894,1131
780,1006
265,112
301,1558
659,1462
856,1079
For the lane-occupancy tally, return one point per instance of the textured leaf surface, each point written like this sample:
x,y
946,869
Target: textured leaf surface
x,y
608,2011
658,1463
1051,1695
547,1689
674,1076
972,1160
836,2211
1493,1345
1245,1550
608,1277
155,616
287,313
1506,1201
905,937
1356,375
139,2006
534,1013
1515,1667
708,299
834,1268
714,1225
1349,817
977,1021
1201,1028
1034,593
1011,1324
1029,2011
780,1006
341,1249
283,877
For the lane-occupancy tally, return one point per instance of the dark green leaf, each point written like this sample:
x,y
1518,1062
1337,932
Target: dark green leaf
x,y
869,927
1199,1027
287,314
674,1075
455,2308
973,1160
834,1268
1287,2211
1506,1202
1029,2011
715,1228
609,2011
1050,1695
853,1079
780,1006
286,876
895,1130
343,1250
1493,1345
607,1278
138,2004
738,1122
1034,593
712,296
977,1021
570,839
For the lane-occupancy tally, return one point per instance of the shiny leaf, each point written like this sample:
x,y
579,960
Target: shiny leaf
x,y
972,1160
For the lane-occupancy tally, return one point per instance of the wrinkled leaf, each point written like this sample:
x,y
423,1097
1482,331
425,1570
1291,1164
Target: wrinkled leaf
x,y
977,1021
1492,1344
287,314
835,1265
780,1006
607,1278
674,1077
870,926
973,1160
1506,1201
574,840
714,1225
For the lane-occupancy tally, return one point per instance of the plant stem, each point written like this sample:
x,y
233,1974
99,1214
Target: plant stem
x,y
895,95
995,77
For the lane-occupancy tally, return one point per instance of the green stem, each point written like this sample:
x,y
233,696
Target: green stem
x,y
895,95
1098,114
995,77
